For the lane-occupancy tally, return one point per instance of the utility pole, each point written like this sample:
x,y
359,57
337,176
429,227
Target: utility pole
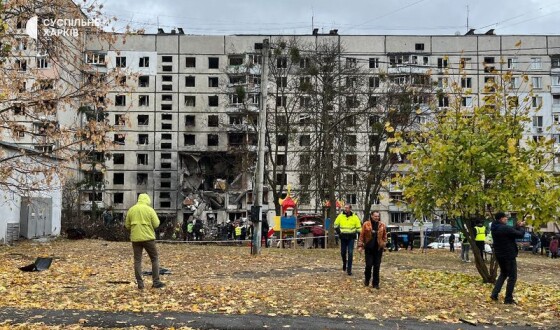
x,y
259,173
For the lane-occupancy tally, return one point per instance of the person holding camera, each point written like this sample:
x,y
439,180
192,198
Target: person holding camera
x,y
505,250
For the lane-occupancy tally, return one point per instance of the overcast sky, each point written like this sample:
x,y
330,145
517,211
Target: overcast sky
x,y
447,17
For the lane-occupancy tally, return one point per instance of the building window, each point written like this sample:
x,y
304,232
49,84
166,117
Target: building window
x,y
351,199
537,82
42,62
537,121
555,100
143,120
351,140
351,62
536,63
166,87
419,47
373,62
555,61
351,179
118,198
189,81
166,126
166,116
466,102
536,101
121,61
282,63
213,101
466,82
281,140
118,159
120,120
443,101
142,159
441,63
190,100
281,160
95,58
190,120
166,146
166,136
213,121
118,139
144,62
304,63
488,64
141,179
281,101
374,82
144,100
213,140
189,139
512,63
167,59
143,139
21,65
213,62
281,179
120,100
352,102
351,160
305,140
400,217
212,81
236,60
118,178
166,107
282,82
305,179
144,81
372,101
190,62
167,97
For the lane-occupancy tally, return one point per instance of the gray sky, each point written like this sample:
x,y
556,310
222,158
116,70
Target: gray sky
x,y
218,17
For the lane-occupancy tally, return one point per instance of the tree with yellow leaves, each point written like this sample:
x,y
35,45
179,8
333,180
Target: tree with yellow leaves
x,y
470,163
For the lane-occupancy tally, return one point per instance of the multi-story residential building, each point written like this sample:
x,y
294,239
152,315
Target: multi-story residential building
x,y
187,137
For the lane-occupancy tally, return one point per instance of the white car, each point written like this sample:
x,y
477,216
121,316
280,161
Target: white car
x,y
442,242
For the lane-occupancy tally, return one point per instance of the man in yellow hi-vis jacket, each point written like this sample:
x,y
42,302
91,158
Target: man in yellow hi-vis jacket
x,y
142,220
347,225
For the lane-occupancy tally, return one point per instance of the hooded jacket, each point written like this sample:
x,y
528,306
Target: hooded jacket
x,y
141,220
504,240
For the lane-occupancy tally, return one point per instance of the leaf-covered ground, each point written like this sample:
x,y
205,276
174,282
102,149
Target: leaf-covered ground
x,y
436,285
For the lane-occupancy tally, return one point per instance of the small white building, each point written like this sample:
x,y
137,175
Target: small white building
x,y
28,213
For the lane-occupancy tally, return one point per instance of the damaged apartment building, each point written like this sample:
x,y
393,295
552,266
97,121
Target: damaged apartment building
x,y
184,135
187,117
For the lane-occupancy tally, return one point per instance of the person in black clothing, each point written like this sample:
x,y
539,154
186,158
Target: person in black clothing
x,y
264,232
410,240
505,250
395,241
197,230
452,242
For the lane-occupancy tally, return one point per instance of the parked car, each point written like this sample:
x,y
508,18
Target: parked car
x,y
442,242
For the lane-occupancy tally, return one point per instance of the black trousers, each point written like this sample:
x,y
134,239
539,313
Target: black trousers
x,y
373,260
508,269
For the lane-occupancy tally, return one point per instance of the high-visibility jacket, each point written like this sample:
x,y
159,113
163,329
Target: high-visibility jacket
x,y
141,220
480,233
237,231
348,224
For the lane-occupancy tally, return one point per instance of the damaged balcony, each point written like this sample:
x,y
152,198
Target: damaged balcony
x,y
214,182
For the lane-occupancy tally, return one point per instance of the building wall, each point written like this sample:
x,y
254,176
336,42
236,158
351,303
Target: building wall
x,y
168,132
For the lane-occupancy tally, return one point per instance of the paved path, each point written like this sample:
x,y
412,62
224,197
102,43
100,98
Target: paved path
x,y
212,321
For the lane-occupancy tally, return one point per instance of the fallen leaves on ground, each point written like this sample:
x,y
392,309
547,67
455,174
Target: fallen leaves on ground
x,y
432,286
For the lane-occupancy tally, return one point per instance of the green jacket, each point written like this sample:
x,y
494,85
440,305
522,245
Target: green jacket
x,y
348,225
141,220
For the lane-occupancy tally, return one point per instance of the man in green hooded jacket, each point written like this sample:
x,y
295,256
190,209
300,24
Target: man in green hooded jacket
x,y
142,220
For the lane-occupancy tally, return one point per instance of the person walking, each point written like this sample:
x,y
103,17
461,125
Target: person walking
x,y
465,247
553,247
347,225
141,221
480,237
535,243
410,238
452,242
505,250
373,239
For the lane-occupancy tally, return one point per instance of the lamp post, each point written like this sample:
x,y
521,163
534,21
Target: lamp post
x,y
259,173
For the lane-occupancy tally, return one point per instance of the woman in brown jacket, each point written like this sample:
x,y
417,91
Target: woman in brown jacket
x,y
373,239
